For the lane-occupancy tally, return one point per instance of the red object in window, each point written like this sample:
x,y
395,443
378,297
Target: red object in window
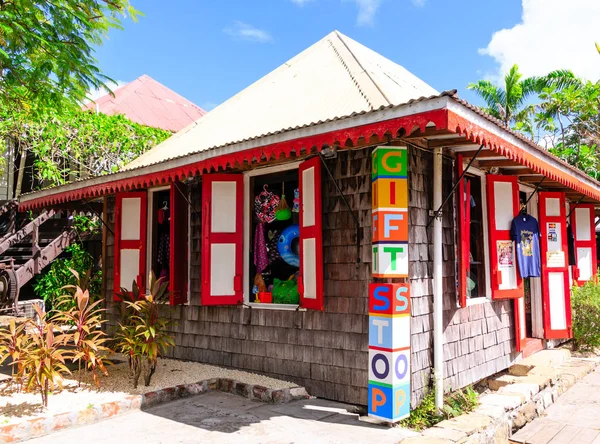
x,y
178,261
464,225
503,206
265,297
130,239
584,232
310,280
222,239
555,270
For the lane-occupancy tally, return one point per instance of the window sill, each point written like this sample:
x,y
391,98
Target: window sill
x,y
477,301
288,307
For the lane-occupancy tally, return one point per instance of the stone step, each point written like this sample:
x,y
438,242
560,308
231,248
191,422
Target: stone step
x,y
543,358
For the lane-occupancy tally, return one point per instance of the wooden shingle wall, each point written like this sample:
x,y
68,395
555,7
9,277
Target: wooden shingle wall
x,y
479,339
327,351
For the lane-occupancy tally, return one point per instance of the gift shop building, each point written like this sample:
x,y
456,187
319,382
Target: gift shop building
x,y
341,224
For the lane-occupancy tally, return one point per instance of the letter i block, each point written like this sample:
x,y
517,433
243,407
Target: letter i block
x,y
390,193
390,226
390,260
390,162
389,299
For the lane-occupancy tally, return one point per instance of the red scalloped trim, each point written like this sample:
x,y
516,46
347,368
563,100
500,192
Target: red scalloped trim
x,y
476,134
287,149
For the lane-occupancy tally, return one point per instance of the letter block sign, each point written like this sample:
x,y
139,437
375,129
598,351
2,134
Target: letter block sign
x,y
390,212
389,351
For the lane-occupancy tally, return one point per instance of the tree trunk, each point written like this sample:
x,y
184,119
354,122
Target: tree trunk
x,y
22,164
151,370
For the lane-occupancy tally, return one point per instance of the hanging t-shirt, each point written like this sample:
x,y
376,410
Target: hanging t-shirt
x,y
525,231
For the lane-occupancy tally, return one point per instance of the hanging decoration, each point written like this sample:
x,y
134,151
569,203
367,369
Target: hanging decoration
x,y
265,204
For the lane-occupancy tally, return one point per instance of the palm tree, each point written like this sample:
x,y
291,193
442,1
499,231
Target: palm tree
x,y
505,103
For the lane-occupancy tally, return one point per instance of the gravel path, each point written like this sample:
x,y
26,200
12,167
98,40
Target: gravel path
x,y
169,373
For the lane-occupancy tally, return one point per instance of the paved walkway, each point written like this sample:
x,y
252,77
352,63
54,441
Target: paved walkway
x,y
574,418
223,418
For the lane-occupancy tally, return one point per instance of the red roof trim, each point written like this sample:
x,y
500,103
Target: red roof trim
x,y
438,118
476,134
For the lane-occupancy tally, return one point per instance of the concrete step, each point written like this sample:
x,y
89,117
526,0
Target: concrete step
x,y
544,358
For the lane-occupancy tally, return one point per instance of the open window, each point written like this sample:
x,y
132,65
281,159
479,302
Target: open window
x,y
473,272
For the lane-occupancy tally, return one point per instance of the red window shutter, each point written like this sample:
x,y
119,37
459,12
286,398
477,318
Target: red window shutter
x,y
178,284
556,294
310,281
130,241
503,206
584,232
464,235
222,239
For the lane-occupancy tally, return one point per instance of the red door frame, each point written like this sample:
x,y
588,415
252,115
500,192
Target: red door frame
x,y
562,219
501,235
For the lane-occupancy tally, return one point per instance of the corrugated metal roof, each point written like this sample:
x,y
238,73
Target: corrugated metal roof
x,y
335,77
149,103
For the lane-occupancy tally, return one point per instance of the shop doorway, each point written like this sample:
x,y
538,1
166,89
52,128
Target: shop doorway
x,y
159,233
532,301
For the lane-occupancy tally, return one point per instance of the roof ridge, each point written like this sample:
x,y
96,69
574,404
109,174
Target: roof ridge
x,y
364,70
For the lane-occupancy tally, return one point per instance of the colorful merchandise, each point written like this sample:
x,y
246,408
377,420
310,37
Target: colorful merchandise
x,y
525,231
272,246
285,292
283,212
296,207
265,204
261,258
285,245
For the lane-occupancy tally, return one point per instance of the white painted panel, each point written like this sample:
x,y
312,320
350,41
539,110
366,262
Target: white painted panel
x,y
522,327
223,211
131,211
309,268
130,267
222,269
556,287
308,197
582,221
503,204
552,206
584,263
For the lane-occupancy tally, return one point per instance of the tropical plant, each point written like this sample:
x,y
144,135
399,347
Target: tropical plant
x,y
13,344
72,144
88,338
50,285
144,334
44,361
585,303
46,50
508,102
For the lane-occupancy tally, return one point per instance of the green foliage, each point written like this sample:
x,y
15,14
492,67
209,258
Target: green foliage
x,y
88,338
585,303
46,50
84,224
455,404
43,360
75,143
143,333
50,285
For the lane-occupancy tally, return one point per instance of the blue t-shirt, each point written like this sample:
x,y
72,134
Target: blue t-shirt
x,y
525,231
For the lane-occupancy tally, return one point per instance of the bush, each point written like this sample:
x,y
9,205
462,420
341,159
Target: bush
x,y
585,303
50,285
455,404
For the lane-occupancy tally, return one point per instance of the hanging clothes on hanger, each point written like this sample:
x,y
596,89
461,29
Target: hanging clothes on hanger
x,y
525,231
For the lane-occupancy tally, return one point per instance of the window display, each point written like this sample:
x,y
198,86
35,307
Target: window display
x,y
275,257
525,231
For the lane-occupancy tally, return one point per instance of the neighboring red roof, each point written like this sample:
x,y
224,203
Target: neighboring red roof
x,y
150,103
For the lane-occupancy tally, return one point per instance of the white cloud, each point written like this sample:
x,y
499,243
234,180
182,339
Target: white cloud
x,y
553,34
301,2
366,11
244,31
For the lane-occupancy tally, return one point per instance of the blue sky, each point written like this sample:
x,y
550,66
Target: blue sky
x,y
207,50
